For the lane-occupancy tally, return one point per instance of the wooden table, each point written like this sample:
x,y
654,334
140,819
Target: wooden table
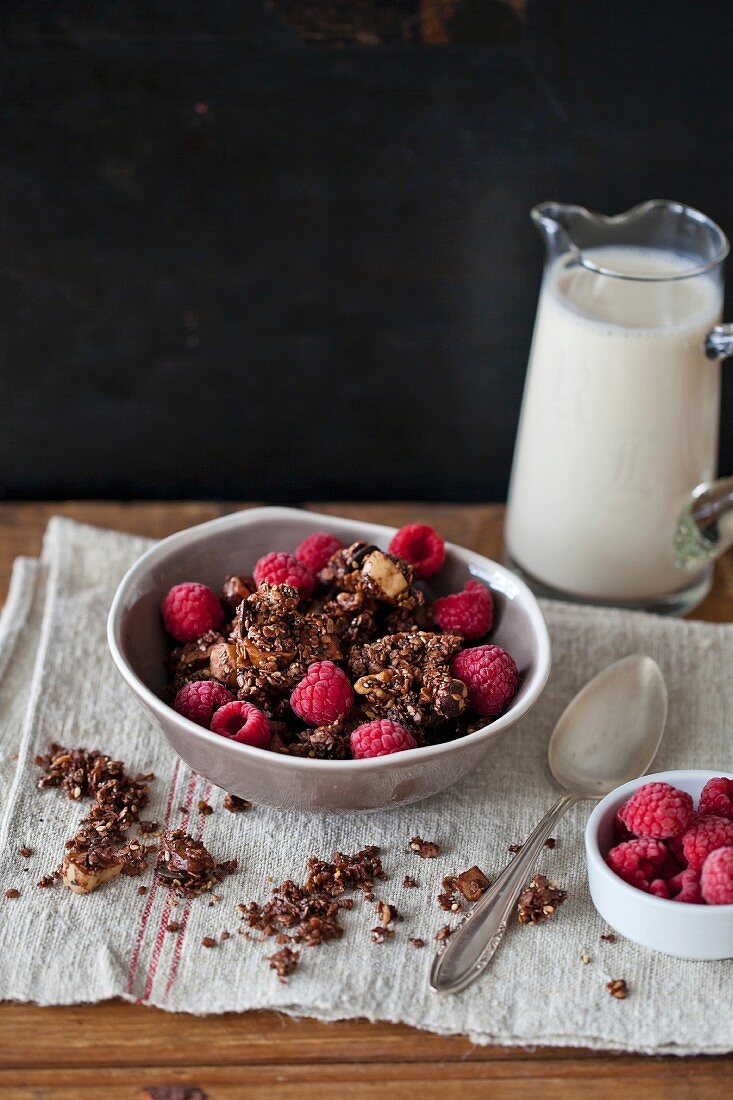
x,y
110,1050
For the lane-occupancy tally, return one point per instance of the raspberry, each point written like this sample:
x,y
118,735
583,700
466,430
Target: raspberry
x,y
717,798
657,810
470,612
635,861
242,722
324,695
620,831
686,887
380,738
716,879
659,888
707,834
189,610
490,675
315,551
200,699
281,568
422,546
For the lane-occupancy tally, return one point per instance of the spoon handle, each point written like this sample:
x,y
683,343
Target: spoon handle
x,y
471,947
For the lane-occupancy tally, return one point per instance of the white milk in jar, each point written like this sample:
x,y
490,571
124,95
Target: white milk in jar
x,y
616,423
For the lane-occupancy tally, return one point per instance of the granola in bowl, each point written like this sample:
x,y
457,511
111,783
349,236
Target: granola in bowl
x,y
338,652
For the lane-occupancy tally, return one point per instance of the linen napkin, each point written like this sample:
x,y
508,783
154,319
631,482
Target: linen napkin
x,y
57,682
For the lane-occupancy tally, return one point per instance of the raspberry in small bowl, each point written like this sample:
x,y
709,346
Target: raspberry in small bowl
x,y
667,890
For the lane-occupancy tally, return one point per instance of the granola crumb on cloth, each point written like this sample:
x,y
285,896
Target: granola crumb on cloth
x,y
426,849
186,866
539,901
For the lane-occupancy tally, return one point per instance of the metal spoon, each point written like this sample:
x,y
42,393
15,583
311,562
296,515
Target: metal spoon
x,y
608,735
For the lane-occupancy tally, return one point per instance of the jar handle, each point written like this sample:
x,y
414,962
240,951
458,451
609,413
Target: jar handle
x,y
719,342
705,528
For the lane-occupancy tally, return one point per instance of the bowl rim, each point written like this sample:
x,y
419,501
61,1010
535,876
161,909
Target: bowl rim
x,y
245,517
593,849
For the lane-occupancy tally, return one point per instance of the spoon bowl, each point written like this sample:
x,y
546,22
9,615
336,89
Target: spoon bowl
x,y
609,734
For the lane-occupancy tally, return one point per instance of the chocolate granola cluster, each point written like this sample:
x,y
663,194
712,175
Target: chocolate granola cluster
x,y
365,611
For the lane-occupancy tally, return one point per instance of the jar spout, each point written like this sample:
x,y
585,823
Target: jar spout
x,y
554,222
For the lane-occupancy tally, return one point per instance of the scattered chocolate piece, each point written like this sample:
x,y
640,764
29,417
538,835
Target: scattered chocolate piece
x,y
142,890
514,848
208,941
410,883
26,852
550,842
443,933
416,941
172,926
172,1092
149,828
539,901
609,937
284,962
205,808
12,894
48,880
235,804
472,883
186,866
618,988
426,849
225,936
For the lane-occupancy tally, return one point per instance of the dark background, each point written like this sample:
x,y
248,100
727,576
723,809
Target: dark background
x,y
282,251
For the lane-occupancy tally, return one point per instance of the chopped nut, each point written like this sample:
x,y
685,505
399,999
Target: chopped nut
x,y
609,937
172,926
426,849
618,988
205,809
585,959
26,852
142,890
12,894
80,879
208,941
384,575
409,883
223,663
416,941
514,848
443,933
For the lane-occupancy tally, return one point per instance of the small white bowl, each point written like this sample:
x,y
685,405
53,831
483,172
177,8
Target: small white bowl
x,y
675,928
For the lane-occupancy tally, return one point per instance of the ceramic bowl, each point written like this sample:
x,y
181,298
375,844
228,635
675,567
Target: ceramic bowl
x,y
232,544
675,928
